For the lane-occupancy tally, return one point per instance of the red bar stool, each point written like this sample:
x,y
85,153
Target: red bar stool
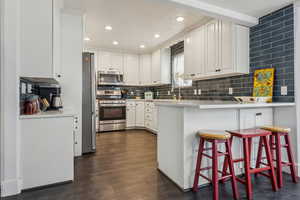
x,y
247,135
215,138
277,134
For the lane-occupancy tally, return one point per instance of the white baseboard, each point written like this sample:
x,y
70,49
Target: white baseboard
x,y
11,187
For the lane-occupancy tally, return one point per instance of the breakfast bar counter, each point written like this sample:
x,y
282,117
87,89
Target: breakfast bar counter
x,y
179,121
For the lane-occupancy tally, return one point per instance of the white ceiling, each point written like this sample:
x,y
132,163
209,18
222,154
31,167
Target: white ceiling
x,y
255,8
134,22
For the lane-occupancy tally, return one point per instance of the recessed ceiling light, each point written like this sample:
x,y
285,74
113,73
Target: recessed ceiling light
x,y
142,46
87,39
115,42
157,36
108,28
180,19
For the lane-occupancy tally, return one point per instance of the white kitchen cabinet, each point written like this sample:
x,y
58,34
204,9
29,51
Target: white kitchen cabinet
x,y
225,48
145,69
47,150
153,124
108,61
140,114
212,48
36,41
130,114
161,66
194,53
131,69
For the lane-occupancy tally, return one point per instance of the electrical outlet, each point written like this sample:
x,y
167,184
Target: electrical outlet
x,y
230,91
157,93
195,91
169,93
284,90
199,92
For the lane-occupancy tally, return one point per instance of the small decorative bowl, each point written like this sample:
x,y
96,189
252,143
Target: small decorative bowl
x,y
249,99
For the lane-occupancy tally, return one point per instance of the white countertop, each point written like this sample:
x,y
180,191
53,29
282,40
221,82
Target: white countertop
x,y
49,114
217,104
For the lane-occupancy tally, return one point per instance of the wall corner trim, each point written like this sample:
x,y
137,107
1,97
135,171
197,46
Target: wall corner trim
x,y
11,187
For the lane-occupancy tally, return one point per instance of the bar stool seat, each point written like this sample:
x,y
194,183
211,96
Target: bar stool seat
x,y
276,129
214,134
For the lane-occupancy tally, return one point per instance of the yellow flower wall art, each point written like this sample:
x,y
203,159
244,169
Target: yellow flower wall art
x,y
263,82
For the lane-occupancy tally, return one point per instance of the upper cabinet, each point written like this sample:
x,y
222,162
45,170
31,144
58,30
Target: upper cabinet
x,y
110,61
131,69
218,49
161,66
145,69
36,54
194,53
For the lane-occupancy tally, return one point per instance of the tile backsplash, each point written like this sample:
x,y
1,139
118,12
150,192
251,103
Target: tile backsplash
x,y
271,45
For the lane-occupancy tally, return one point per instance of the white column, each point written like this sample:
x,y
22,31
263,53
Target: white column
x,y
10,140
297,73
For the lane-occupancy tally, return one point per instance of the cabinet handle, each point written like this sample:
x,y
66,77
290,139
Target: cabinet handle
x,y
193,74
58,75
258,114
218,70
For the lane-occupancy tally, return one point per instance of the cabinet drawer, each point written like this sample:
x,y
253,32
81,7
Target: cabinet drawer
x,y
148,110
148,116
130,104
147,124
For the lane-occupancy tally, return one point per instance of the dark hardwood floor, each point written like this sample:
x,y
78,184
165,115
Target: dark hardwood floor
x,y
124,168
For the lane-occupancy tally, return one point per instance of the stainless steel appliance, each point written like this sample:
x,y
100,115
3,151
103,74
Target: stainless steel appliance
x,y
111,77
88,103
56,102
112,109
112,115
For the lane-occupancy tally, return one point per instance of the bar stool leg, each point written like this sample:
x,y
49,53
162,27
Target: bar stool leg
x,y
247,169
231,168
215,179
270,163
278,160
291,158
198,165
259,153
225,164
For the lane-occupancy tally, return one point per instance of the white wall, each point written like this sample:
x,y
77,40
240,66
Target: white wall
x,y
71,68
10,139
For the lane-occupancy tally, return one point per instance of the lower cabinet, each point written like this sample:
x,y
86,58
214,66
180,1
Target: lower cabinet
x,y
140,114
130,114
44,138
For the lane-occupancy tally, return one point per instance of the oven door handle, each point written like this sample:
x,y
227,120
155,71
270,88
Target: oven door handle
x,y
112,105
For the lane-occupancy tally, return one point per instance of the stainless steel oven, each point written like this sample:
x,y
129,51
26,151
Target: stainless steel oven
x,y
112,115
110,78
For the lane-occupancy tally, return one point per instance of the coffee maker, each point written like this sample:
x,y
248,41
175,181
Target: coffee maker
x,y
49,89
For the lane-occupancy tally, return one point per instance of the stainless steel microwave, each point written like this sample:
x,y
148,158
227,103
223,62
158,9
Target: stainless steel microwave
x,y
110,78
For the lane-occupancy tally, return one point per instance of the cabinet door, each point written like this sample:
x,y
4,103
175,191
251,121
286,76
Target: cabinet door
x,y
155,69
145,69
104,61
226,47
36,38
194,53
212,48
131,69
140,114
154,119
130,116
117,61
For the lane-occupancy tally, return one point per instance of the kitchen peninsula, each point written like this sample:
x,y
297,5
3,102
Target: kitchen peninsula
x,y
179,121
